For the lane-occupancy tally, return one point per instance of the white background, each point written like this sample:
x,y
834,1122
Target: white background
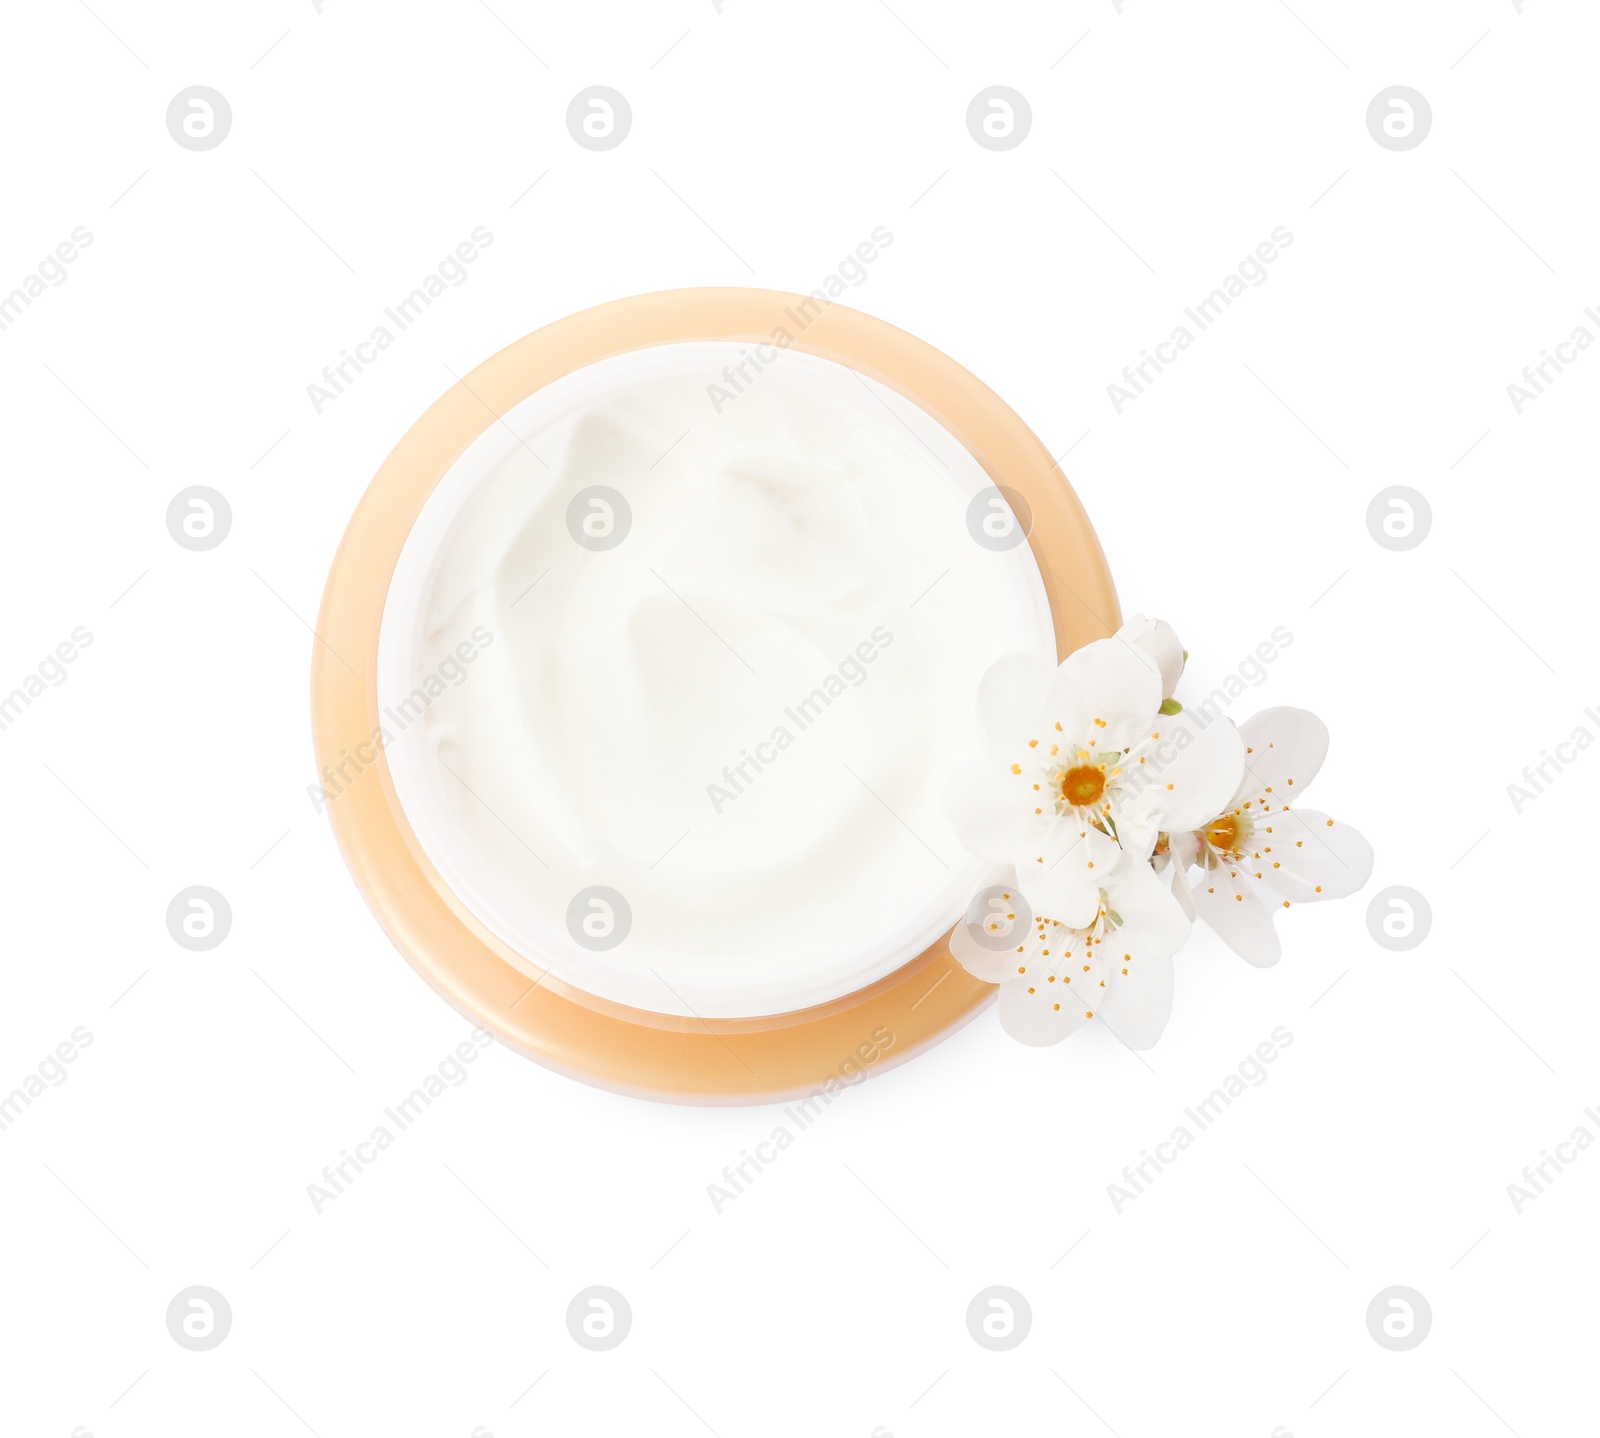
x,y
1167,141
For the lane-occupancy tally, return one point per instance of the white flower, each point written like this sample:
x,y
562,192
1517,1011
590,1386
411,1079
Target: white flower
x,y
1077,763
1159,643
1258,855
1054,978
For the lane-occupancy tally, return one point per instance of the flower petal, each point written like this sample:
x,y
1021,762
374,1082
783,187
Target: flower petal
x,y
1184,849
1058,982
996,925
1159,643
988,808
1152,919
1063,874
1138,999
1284,750
1105,693
1188,770
1011,705
1236,908
1306,856
1039,1014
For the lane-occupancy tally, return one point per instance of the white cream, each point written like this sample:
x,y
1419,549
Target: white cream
x,y
645,717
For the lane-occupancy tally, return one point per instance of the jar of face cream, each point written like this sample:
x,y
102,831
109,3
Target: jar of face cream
x,y
663,630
